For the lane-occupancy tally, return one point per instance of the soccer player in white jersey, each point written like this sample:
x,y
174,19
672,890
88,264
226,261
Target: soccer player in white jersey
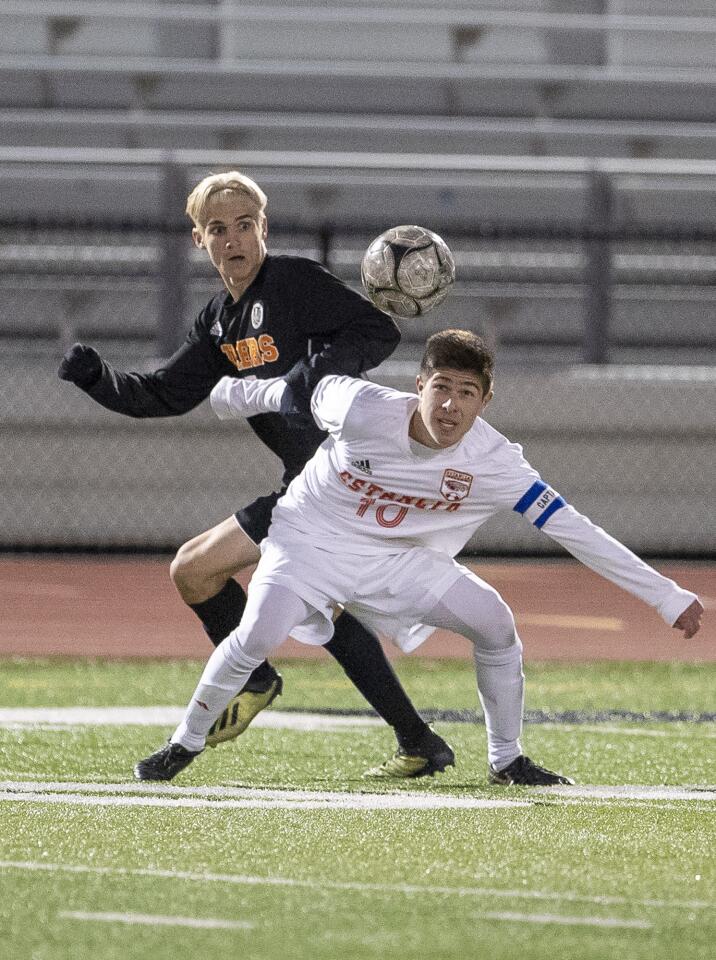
x,y
373,523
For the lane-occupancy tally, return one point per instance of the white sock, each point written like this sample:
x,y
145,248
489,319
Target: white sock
x,y
270,615
475,610
220,682
500,687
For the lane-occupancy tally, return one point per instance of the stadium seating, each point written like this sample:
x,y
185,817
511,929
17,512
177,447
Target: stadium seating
x,y
470,118
399,133
395,87
545,78
533,33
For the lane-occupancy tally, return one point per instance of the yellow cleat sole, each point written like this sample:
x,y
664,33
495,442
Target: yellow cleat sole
x,y
240,712
404,767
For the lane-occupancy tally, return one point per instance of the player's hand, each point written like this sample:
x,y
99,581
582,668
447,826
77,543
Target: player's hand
x,y
81,365
690,620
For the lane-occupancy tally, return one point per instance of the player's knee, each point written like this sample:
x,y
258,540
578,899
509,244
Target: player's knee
x,y
241,655
502,632
256,640
183,570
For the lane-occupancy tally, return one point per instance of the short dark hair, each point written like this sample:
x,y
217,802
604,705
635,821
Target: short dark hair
x,y
459,350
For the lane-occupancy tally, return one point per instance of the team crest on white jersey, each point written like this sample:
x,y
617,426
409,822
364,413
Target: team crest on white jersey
x,y
363,466
257,315
455,485
216,330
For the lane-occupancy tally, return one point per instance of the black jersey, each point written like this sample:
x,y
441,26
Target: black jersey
x,y
296,320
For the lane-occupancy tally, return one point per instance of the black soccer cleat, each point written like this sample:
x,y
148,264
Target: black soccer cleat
x,y
430,755
165,764
522,772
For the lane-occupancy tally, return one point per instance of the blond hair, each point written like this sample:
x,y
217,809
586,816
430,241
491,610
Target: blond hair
x,y
231,182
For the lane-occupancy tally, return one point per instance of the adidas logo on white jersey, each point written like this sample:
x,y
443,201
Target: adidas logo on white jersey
x,y
363,466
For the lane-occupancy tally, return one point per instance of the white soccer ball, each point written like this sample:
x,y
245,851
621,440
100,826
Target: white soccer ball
x,y
407,271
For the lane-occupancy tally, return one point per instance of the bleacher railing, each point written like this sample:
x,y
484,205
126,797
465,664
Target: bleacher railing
x,y
595,226
57,13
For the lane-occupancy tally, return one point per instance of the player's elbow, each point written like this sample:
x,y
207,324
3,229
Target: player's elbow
x,y
380,345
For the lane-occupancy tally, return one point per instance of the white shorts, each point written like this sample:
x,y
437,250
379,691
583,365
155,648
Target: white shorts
x,y
388,592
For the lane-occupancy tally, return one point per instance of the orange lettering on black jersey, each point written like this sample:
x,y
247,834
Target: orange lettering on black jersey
x,y
249,352
268,350
254,352
245,359
228,350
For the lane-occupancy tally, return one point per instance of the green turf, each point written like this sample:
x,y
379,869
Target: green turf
x,y
320,683
336,884
656,754
649,854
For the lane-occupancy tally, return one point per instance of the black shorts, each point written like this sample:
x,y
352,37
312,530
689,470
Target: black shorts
x,y
255,519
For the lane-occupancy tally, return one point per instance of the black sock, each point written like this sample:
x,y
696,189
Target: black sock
x,y
220,614
362,657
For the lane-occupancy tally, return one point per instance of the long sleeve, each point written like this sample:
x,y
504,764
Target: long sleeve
x,y
348,335
232,398
180,385
600,552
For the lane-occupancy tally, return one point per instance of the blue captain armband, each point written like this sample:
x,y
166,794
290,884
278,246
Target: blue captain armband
x,y
539,504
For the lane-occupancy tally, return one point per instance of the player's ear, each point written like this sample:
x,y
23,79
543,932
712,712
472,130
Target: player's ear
x,y
198,237
489,397
419,383
264,226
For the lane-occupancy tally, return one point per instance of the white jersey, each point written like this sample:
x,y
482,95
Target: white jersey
x,y
370,487
370,490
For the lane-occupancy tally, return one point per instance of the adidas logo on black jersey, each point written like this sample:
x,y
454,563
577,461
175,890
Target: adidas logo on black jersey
x,y
363,466
216,330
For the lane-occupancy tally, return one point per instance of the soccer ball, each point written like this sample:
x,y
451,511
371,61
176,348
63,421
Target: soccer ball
x,y
407,271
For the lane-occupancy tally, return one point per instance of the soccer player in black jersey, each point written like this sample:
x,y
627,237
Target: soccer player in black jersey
x,y
278,316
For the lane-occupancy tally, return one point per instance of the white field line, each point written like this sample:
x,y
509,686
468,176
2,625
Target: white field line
x,y
389,889
18,778
629,792
59,718
350,802
218,798
339,798
150,920
167,716
569,921
632,804
680,733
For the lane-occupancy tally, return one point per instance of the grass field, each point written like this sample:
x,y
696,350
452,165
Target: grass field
x,y
275,847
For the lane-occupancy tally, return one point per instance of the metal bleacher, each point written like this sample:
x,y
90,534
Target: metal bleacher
x,y
456,117
566,149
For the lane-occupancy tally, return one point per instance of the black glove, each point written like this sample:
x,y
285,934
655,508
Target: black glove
x,y
81,365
